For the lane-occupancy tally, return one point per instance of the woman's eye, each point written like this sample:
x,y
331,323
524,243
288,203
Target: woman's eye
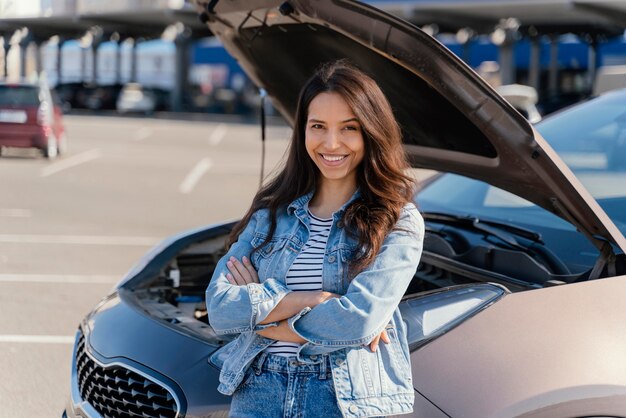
x,y
352,128
317,126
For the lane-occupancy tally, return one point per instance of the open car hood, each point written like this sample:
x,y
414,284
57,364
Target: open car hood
x,y
452,120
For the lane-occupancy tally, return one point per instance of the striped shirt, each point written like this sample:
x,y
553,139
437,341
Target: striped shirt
x,y
305,273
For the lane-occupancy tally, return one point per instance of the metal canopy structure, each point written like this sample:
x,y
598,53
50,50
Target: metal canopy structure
x,y
96,22
146,24
510,20
560,16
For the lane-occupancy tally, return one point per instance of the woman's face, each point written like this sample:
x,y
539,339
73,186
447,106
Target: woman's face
x,y
333,138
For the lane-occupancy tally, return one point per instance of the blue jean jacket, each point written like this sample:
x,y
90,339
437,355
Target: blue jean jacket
x,y
367,383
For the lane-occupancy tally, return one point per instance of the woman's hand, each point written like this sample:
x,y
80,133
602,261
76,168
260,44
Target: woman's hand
x,y
382,336
241,272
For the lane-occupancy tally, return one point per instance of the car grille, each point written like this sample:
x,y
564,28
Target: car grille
x,y
119,392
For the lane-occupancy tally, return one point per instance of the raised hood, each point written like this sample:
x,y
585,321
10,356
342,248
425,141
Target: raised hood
x,y
451,119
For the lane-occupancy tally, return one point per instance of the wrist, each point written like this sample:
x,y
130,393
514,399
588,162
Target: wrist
x,y
323,296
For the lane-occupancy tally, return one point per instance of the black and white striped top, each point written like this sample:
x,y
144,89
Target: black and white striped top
x,y
306,273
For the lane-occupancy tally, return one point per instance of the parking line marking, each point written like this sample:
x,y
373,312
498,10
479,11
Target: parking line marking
x,y
79,239
59,278
16,213
218,134
70,162
142,133
37,339
194,175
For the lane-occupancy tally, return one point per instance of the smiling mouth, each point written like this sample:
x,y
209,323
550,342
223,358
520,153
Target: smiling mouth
x,y
333,158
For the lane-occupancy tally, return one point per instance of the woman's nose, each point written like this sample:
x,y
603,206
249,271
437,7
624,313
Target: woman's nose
x,y
332,139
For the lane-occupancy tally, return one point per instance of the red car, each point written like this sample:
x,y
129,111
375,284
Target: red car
x,y
30,118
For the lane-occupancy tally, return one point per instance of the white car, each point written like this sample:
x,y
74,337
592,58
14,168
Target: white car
x,y
136,98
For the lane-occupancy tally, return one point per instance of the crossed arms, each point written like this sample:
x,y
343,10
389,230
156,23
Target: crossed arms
x,y
323,321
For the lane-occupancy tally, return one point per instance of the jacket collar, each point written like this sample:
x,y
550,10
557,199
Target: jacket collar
x,y
302,203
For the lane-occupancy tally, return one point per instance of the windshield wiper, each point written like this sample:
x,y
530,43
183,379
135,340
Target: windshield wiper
x,y
504,232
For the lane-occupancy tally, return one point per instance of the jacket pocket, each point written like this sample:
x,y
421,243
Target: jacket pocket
x,y
265,259
396,364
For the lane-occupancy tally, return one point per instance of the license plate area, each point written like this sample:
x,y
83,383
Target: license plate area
x,y
13,116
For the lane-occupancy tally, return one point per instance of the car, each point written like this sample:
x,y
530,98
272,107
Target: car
x,y
517,308
523,98
135,98
31,116
102,97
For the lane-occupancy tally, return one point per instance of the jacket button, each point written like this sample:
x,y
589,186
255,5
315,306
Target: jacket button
x,y
314,357
353,409
331,259
339,362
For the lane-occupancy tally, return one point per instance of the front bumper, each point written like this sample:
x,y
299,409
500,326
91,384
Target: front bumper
x,y
117,388
127,364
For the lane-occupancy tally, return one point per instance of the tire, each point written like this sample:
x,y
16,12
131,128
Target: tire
x,y
62,145
52,150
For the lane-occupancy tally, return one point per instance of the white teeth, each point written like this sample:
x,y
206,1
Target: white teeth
x,y
333,157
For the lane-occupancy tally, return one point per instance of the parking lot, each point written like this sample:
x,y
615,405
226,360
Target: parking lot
x,y
70,228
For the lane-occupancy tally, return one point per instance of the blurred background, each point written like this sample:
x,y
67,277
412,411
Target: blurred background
x,y
157,130
156,55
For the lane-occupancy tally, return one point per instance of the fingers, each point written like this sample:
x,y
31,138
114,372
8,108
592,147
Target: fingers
x,y
231,279
248,265
382,336
241,273
374,344
385,337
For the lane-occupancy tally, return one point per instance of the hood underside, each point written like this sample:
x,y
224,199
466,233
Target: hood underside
x,y
451,119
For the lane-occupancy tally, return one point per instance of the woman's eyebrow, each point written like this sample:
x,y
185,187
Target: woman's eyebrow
x,y
343,121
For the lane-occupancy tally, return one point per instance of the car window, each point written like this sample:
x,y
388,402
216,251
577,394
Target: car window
x,y
19,96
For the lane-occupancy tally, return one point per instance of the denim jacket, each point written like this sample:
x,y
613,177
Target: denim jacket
x,y
366,383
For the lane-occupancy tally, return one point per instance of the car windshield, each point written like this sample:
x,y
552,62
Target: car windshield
x,y
591,139
19,95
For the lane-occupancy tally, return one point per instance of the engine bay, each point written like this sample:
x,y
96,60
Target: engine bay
x,y
176,295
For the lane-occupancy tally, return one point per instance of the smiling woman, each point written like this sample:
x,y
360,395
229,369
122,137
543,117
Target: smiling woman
x,y
320,262
334,140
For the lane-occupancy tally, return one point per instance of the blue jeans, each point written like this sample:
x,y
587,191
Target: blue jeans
x,y
276,387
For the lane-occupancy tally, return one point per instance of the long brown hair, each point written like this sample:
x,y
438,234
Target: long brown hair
x,y
384,186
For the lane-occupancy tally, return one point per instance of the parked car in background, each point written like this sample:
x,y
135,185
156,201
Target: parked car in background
x,y
68,95
101,97
30,117
135,98
609,77
518,306
523,98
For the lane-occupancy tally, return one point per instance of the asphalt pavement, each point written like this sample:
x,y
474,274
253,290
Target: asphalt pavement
x,y
71,227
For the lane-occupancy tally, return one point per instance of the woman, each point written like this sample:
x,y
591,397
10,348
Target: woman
x,y
320,263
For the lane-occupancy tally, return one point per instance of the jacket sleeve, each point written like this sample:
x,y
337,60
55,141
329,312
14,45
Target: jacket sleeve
x,y
235,309
372,296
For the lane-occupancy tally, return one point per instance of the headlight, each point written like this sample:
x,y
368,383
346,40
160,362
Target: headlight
x,y
430,315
